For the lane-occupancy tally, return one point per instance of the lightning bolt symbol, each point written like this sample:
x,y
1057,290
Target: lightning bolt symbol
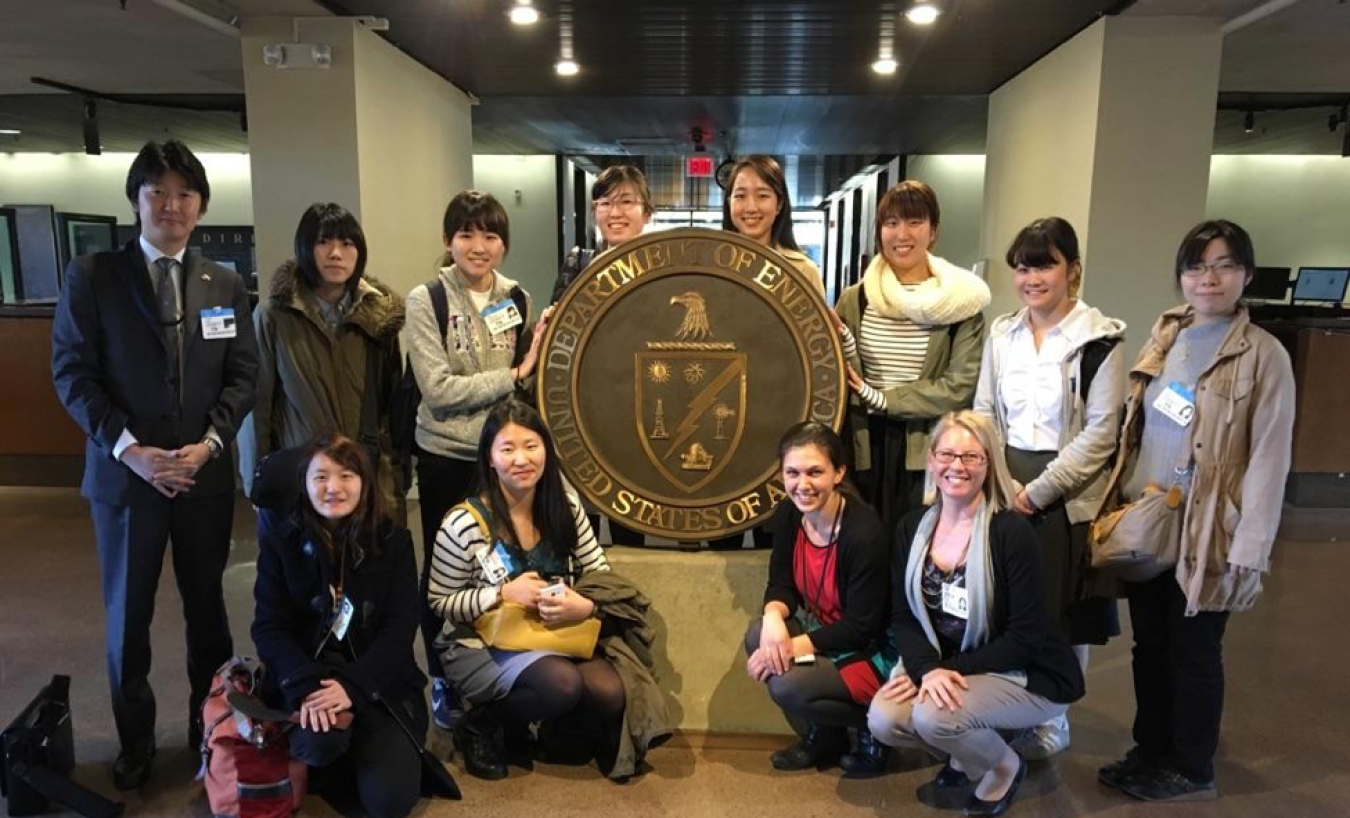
x,y
700,404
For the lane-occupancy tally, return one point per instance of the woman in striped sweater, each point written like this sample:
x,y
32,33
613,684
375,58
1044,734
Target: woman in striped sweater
x,y
912,334
538,534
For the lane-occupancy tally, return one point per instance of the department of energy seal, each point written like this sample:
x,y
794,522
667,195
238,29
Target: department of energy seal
x,y
671,368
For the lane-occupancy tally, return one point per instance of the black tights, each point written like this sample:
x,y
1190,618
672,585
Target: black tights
x,y
815,693
555,686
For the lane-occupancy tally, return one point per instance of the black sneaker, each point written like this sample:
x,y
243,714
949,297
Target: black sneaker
x,y
1118,773
820,747
1165,784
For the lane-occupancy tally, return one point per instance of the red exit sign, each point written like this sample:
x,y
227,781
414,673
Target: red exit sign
x,y
698,166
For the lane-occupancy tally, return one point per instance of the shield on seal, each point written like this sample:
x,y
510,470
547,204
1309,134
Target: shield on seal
x,y
691,412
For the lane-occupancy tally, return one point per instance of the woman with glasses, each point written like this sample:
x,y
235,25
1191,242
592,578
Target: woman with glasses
x,y
1210,410
1052,381
622,205
623,208
912,331
757,206
978,655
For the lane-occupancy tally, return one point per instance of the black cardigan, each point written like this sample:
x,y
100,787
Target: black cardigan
x,y
860,574
1020,635
293,605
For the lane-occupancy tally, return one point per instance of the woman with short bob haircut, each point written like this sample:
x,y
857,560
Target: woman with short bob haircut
x,y
1053,381
463,371
977,653
622,205
1209,413
328,350
756,205
912,332
523,519
821,646
335,549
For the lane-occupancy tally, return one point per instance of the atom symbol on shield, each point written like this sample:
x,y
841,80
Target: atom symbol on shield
x,y
693,373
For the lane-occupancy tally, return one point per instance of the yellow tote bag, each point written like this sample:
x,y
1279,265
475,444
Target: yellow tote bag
x,y
514,627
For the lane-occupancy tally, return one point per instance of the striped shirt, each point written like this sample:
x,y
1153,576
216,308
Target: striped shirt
x,y
458,589
892,351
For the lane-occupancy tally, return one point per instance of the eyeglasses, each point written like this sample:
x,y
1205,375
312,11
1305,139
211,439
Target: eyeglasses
x,y
623,203
1226,267
946,458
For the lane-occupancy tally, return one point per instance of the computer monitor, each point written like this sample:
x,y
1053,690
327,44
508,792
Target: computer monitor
x,y
1269,284
1322,285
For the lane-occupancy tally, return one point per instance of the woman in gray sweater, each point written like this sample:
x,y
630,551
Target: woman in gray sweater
x,y
486,349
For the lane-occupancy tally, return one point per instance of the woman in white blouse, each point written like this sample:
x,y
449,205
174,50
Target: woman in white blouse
x,y
1053,381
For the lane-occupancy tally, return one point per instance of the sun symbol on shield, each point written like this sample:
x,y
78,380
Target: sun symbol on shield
x,y
658,371
694,372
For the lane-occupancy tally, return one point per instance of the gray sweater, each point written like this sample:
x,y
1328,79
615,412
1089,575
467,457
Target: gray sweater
x,y
462,379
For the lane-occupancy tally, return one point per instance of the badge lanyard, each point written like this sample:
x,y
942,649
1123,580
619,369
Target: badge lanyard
x,y
814,602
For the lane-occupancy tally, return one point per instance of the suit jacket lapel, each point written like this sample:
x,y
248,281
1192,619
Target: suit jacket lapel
x,y
136,277
197,287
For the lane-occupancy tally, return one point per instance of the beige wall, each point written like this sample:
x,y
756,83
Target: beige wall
x,y
1113,131
375,132
415,146
96,185
527,187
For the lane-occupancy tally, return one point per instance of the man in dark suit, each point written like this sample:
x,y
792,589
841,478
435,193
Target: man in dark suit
x,y
153,355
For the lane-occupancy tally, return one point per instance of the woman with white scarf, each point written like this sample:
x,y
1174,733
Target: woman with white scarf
x,y
912,334
977,651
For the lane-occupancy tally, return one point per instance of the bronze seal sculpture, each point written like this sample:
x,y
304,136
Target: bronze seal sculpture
x,y
670,369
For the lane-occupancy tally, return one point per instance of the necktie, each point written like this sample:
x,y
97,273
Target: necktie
x,y
168,299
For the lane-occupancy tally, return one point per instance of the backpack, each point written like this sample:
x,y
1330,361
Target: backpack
x,y
1094,353
403,407
246,765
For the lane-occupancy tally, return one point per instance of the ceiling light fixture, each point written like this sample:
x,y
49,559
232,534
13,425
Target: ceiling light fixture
x,y
1249,122
885,65
523,13
567,68
923,14
10,131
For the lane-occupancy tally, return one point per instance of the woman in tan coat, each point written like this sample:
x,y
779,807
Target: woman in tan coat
x,y
328,349
1210,410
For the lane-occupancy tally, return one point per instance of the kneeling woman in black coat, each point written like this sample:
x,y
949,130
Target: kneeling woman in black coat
x,y
335,620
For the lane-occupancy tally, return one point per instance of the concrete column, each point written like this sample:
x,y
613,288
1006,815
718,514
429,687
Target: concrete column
x,y
1113,131
376,132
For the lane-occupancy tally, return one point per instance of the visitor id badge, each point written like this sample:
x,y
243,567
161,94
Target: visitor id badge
x,y
1177,402
955,601
218,322
502,316
343,620
496,563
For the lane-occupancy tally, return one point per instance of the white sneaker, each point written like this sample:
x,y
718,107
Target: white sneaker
x,y
1044,740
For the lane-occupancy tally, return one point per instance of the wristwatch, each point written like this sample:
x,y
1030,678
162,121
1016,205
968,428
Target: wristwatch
x,y
213,445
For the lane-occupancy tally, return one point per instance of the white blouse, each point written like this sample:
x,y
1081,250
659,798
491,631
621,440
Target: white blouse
x,y
1031,387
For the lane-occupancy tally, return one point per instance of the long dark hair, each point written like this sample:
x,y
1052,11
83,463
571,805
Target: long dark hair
x,y
327,220
551,510
358,531
815,433
768,169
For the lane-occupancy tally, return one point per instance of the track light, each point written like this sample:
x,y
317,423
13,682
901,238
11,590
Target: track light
x,y
885,66
92,144
1249,122
923,14
567,68
523,13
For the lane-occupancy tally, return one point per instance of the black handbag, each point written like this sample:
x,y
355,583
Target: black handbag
x,y
39,754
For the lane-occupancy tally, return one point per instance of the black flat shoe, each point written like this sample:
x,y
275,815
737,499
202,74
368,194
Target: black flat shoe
x,y
949,779
976,806
1119,773
820,747
949,790
131,770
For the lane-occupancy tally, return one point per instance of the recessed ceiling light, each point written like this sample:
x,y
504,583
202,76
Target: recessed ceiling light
x,y
567,68
524,14
10,131
923,14
885,65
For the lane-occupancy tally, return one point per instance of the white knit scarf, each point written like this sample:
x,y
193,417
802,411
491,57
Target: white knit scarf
x,y
958,293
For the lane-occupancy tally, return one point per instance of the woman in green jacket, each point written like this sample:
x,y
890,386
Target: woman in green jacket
x,y
328,349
